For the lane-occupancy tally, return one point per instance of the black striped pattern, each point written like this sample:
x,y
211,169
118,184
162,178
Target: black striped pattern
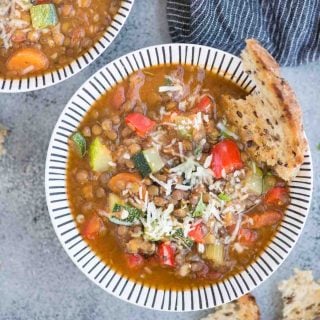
x,y
226,65
52,78
288,29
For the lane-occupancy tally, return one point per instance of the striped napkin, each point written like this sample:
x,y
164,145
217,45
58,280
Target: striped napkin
x,y
288,29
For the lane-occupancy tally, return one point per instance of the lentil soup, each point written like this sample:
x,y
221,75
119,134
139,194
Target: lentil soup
x,y
162,188
37,36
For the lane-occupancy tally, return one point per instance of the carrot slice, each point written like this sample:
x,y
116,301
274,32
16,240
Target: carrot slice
x,y
27,60
118,182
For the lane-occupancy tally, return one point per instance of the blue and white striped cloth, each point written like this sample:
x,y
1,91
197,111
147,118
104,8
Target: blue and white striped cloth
x,y
288,29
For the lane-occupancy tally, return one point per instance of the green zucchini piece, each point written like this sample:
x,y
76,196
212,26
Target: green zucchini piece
x,y
133,213
99,156
269,181
114,201
141,164
44,16
153,159
254,180
80,143
121,222
148,161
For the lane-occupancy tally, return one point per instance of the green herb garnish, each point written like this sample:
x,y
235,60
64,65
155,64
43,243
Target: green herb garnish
x,y
134,213
198,211
168,82
198,151
224,197
187,242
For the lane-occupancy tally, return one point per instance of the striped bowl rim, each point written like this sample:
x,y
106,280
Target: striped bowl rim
x,y
226,65
53,77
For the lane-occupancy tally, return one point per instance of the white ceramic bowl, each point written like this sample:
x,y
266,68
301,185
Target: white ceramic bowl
x,y
53,77
79,251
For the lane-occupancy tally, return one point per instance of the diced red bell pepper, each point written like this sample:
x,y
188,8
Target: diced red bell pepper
x,y
92,227
265,219
225,156
204,105
197,233
134,260
247,237
118,98
140,123
277,196
166,254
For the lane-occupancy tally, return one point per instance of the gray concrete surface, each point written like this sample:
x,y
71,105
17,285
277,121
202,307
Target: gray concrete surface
x,y
37,279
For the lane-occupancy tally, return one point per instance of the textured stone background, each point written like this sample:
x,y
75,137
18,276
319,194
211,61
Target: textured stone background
x,y
37,279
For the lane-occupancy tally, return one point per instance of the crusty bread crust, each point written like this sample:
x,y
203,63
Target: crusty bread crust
x,y
245,308
268,120
300,297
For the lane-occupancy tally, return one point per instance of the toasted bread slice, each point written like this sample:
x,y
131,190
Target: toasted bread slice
x,y
245,308
3,134
268,120
301,297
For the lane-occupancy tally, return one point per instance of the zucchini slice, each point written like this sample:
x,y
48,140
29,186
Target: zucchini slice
x,y
148,161
269,181
100,156
141,164
133,214
154,160
114,201
44,16
80,143
254,180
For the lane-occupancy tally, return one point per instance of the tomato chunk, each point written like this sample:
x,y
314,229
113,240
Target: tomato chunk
x,y
204,105
92,227
277,196
197,233
247,237
225,156
265,219
166,254
134,260
140,123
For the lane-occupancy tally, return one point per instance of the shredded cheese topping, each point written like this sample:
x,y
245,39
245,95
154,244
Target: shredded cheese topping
x,y
10,19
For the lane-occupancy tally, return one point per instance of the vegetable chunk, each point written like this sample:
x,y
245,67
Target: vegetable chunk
x,y
44,16
100,156
26,60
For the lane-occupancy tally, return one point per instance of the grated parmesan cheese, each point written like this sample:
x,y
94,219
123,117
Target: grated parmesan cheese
x,y
9,19
158,223
170,88
166,186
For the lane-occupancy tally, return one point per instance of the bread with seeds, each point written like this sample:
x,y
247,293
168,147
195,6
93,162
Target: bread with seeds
x,y
269,120
245,308
301,297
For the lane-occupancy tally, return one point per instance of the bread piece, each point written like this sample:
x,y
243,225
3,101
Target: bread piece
x,y
269,119
3,134
245,308
301,297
